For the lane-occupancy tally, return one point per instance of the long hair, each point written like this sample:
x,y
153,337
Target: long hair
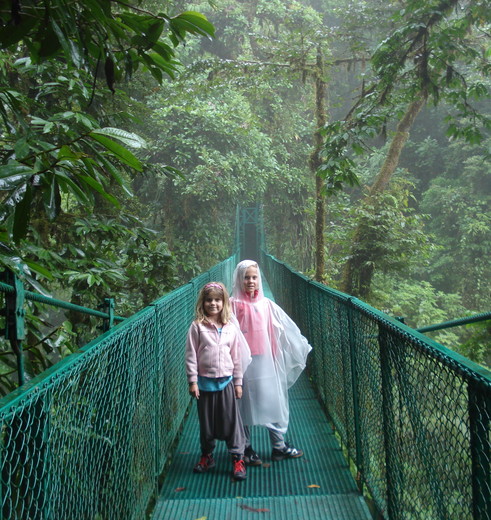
x,y
215,290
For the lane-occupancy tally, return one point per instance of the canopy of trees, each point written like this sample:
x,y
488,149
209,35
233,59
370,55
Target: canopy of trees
x,y
363,129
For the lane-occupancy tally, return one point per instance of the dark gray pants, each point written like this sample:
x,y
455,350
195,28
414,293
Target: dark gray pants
x,y
219,419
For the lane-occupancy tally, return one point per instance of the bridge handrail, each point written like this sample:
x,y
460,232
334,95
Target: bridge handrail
x,y
14,312
466,320
413,416
49,300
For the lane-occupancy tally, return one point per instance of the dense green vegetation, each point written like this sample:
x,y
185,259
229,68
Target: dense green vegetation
x,y
124,153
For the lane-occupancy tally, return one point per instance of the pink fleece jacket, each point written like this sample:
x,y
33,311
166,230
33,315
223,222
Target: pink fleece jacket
x,y
211,354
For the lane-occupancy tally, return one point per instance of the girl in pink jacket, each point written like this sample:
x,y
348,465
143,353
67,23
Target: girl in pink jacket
x,y
216,355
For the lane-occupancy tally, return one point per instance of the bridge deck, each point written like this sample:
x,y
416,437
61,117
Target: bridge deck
x,y
318,486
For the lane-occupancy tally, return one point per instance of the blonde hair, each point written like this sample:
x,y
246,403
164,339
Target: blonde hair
x,y
217,290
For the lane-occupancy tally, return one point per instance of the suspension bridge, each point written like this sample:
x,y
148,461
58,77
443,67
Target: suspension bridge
x,y
393,425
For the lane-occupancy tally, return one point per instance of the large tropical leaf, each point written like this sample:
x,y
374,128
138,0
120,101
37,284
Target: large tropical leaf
x,y
127,138
97,186
14,170
120,152
194,23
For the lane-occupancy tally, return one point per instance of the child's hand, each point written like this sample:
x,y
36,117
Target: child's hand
x,y
238,392
194,390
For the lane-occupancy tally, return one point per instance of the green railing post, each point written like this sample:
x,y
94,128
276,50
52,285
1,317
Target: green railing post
x,y
108,308
14,319
391,462
157,341
356,404
479,416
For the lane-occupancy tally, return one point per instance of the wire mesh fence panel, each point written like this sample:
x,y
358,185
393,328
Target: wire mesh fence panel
x,y
88,438
174,313
366,356
76,443
413,415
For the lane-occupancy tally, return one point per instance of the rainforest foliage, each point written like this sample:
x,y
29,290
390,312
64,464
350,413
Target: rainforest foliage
x,y
132,130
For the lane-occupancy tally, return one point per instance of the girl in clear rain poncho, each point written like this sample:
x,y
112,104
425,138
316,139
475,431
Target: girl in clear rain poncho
x,y
279,353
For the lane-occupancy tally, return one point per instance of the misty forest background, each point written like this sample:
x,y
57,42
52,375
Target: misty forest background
x,y
131,132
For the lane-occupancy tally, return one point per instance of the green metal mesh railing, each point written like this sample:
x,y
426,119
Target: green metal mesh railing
x,y
88,439
413,415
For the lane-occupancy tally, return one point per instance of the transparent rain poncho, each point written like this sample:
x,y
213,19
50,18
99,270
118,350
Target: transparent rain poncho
x,y
279,353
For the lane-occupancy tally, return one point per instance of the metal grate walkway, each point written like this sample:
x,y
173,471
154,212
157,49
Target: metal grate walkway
x,y
318,486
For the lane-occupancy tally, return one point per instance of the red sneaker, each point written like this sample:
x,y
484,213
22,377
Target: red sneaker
x,y
205,463
239,469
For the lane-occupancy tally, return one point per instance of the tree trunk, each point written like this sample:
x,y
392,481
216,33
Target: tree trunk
x,y
359,269
315,162
396,146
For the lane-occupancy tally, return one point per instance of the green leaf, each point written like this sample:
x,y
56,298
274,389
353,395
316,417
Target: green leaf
x,y
49,43
155,59
117,176
128,138
37,121
147,38
86,120
164,50
69,186
51,196
71,51
39,269
122,153
15,169
117,28
194,23
97,186
98,10
22,148
136,22
155,31
12,34
66,153
170,171
154,67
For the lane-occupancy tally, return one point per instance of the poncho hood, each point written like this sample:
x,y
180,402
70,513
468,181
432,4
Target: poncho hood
x,y
238,282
